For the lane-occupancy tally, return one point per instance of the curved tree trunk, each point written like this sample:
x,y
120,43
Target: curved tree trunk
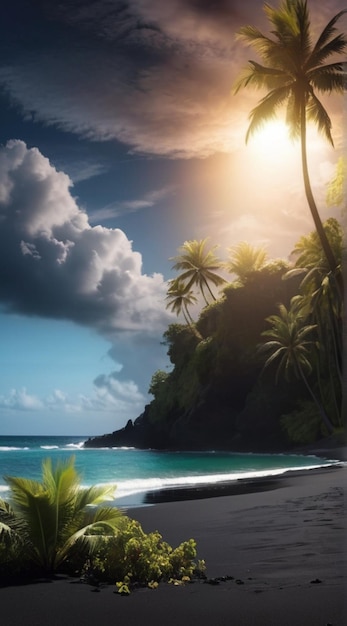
x,y
310,199
210,291
203,293
336,273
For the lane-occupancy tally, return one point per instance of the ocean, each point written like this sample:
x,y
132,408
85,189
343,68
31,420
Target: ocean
x,y
137,472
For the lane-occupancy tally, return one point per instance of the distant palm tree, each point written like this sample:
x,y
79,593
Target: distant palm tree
x,y
290,345
321,303
245,259
294,68
198,267
180,299
46,519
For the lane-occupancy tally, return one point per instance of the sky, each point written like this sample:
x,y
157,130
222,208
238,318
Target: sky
x,y
120,138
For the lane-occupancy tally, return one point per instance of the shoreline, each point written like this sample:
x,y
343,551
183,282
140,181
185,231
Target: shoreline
x,y
283,549
240,486
328,449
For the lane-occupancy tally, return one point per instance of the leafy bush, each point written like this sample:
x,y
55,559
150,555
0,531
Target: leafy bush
x,y
134,557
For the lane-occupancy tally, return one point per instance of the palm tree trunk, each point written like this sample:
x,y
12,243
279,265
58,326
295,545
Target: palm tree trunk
x,y
187,315
210,291
203,294
310,199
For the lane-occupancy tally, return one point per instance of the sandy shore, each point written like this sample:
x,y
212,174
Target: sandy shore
x,y
284,548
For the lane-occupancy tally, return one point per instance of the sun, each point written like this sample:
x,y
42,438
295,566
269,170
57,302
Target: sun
x,y
272,140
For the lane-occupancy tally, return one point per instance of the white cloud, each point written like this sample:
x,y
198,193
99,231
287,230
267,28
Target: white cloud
x,y
109,394
20,399
57,264
115,209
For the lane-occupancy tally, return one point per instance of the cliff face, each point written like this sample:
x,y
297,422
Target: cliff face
x,y
211,424
217,396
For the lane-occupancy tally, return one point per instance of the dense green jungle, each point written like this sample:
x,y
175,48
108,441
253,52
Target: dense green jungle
x,y
260,367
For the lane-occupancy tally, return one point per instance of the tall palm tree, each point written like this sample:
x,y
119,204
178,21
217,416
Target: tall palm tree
x,y
294,68
290,344
245,259
47,519
180,299
198,267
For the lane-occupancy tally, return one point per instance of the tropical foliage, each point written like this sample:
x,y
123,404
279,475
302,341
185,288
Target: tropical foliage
x,y
136,558
55,524
180,298
321,303
198,268
244,260
44,521
218,391
291,343
336,192
293,70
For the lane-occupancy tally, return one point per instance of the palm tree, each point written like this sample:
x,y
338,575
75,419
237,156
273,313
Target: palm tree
x,y
289,343
294,68
179,299
320,302
47,519
245,259
199,267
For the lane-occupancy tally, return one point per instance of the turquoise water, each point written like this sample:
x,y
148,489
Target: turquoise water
x,y
136,472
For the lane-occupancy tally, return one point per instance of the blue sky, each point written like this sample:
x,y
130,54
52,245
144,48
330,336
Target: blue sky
x,y
120,139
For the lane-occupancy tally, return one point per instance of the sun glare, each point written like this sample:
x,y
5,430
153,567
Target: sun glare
x,y
272,139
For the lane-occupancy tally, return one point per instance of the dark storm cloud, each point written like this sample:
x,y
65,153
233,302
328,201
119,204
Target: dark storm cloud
x,y
154,75
55,264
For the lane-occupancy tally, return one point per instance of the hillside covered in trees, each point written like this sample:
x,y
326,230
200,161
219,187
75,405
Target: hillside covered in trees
x,y
261,367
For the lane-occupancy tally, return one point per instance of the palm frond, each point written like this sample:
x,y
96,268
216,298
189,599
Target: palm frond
x,y
329,78
327,33
317,113
334,47
260,76
266,109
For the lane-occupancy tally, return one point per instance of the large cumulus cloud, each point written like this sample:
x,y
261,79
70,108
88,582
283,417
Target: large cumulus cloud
x,y
55,264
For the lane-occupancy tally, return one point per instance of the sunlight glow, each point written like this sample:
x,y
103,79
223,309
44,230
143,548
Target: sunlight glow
x,y
273,139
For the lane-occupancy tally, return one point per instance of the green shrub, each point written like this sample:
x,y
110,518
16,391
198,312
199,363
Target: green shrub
x,y
134,557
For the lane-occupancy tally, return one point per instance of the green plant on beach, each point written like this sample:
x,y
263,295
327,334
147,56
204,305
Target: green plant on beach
x,y
56,523
133,557
45,521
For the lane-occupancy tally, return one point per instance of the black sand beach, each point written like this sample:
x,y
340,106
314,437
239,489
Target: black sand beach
x,y
283,550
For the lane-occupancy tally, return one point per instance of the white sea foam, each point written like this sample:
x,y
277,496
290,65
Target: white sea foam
x,y
49,447
75,446
143,485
